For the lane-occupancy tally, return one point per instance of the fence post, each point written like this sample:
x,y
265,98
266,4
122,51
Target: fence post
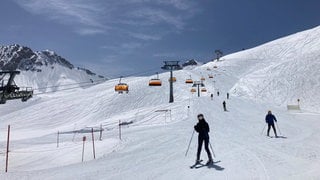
x,y
58,139
84,140
7,153
120,129
94,150
100,138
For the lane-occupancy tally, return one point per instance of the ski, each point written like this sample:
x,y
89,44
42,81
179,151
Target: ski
x,y
278,137
207,165
197,163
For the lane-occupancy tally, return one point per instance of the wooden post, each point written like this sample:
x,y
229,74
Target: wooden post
x,y
100,138
7,153
94,150
58,139
120,129
84,140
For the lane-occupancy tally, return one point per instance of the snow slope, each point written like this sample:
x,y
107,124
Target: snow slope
x,y
55,77
280,71
154,145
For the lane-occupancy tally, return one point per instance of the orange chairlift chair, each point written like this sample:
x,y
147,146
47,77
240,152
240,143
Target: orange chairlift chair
x,y
121,87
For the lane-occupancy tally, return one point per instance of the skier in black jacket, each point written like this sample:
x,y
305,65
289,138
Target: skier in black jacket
x,y
270,118
202,128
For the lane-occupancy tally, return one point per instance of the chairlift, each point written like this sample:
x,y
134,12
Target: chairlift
x,y
121,87
193,90
155,81
189,81
210,76
203,90
202,78
174,79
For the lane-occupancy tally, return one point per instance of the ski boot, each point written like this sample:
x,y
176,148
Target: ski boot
x,y
198,161
210,161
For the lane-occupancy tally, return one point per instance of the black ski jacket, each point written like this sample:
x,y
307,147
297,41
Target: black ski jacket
x,y
202,128
270,118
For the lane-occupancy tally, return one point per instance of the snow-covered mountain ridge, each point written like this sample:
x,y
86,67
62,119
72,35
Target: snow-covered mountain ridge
x,y
41,68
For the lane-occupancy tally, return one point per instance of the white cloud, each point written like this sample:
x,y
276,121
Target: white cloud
x,y
139,17
89,31
146,36
179,4
156,16
131,45
79,13
122,48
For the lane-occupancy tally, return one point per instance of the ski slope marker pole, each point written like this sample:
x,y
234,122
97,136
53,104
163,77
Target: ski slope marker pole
x,y
100,138
7,152
278,128
189,143
84,140
214,155
93,148
120,129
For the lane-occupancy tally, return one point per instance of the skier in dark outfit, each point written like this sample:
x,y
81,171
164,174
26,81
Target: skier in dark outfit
x,y
202,128
270,118
224,106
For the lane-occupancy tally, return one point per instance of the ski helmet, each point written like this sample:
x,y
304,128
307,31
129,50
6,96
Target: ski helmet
x,y
200,115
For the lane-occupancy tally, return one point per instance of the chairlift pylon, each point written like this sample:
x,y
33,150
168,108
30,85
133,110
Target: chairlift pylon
x,y
11,91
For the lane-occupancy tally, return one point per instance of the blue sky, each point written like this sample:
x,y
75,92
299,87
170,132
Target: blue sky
x,y
120,37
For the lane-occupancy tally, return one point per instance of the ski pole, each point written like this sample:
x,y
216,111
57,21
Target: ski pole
x,y
278,128
263,129
189,143
214,155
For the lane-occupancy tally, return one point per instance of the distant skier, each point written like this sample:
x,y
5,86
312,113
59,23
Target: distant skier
x,y
270,118
227,95
218,93
202,128
211,96
224,106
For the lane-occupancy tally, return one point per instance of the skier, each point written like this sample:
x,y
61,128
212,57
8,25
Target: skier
x,y
202,128
227,95
224,106
270,118
218,93
211,96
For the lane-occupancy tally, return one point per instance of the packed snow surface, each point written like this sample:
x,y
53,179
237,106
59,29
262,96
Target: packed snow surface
x,y
154,143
